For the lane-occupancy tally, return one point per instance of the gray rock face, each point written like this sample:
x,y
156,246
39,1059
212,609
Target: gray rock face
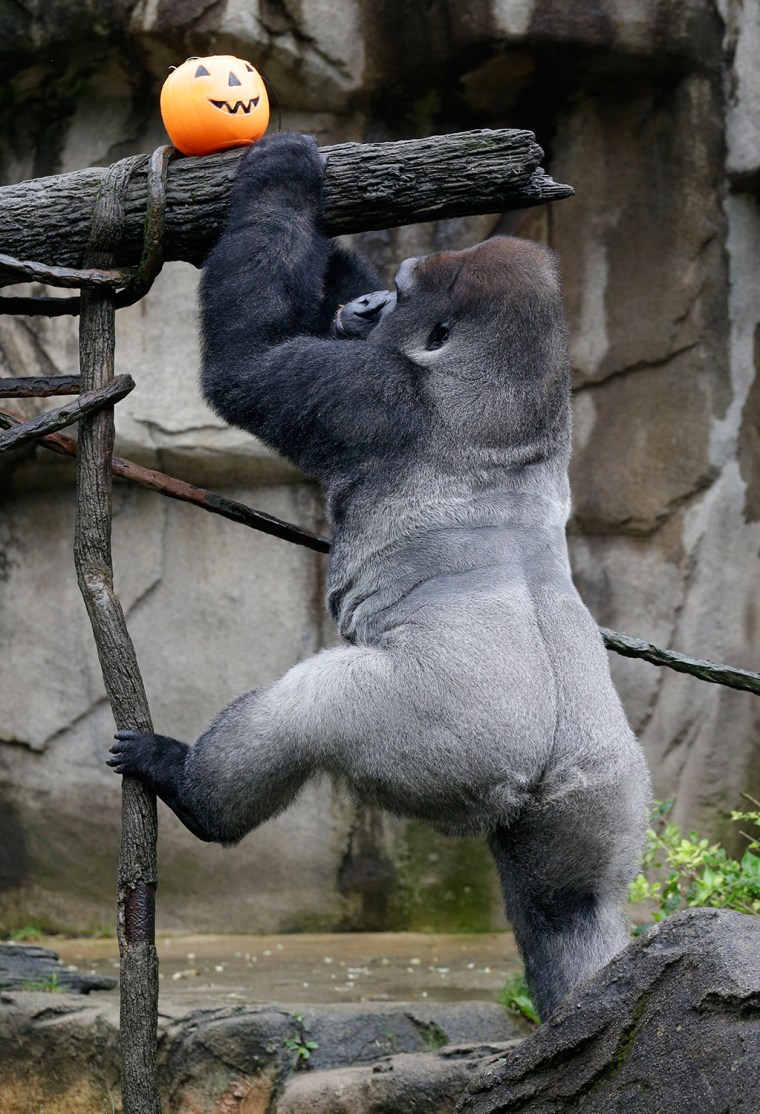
x,y
650,111
414,1083
672,1024
26,967
60,1054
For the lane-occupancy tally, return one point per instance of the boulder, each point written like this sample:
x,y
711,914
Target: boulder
x,y
413,1082
671,1024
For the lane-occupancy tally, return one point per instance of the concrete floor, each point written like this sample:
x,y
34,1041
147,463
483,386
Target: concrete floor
x,y
308,968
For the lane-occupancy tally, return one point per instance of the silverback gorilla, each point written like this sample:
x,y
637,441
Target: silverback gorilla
x,y
472,688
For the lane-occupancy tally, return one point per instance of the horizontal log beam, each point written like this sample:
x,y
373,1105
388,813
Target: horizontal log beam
x,y
367,186
39,386
87,403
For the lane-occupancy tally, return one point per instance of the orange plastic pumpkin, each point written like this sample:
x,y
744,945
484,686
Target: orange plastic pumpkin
x,y
209,104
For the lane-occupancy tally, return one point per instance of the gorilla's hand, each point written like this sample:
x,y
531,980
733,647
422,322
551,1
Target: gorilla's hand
x,y
356,320
281,170
137,753
159,762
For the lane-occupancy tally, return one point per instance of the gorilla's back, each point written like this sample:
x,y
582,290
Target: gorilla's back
x,y
501,660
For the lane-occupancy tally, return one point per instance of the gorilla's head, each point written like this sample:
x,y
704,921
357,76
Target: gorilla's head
x,y
484,333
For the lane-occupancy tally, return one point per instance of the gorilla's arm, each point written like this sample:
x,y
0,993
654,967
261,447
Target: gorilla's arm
x,y
270,289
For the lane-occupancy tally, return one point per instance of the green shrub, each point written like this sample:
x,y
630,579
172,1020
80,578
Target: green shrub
x,y
685,873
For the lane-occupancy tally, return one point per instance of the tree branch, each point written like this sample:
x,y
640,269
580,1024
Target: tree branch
x,y
186,493
121,674
378,185
39,386
711,671
52,420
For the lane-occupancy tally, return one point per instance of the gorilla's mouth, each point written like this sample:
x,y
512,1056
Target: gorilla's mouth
x,y
238,106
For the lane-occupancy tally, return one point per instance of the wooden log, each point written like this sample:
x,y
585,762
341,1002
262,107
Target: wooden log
x,y
377,185
39,386
52,420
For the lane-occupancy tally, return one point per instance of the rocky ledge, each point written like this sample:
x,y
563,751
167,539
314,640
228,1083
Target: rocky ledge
x,y
672,1024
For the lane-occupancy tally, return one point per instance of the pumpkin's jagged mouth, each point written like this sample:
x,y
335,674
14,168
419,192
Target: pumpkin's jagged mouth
x,y
238,106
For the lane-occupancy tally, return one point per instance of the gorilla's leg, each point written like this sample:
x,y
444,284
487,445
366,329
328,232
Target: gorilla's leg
x,y
564,869
347,711
237,774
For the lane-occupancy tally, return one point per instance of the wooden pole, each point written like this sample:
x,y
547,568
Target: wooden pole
x,y
121,675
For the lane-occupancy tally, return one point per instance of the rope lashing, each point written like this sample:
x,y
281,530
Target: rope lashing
x,y
131,283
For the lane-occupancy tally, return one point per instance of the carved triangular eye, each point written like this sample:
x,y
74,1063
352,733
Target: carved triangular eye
x,y
249,68
233,80
202,72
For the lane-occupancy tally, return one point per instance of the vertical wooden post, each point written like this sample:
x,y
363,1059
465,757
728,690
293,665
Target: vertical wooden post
x,y
121,675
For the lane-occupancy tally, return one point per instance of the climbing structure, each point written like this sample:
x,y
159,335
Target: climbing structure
x,y
90,220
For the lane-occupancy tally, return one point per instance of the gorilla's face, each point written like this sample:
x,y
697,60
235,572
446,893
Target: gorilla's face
x,y
493,292
485,332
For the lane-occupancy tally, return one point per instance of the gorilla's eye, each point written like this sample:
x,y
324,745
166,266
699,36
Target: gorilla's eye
x,y
438,337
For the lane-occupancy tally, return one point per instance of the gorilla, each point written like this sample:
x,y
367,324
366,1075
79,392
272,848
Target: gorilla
x,y
471,688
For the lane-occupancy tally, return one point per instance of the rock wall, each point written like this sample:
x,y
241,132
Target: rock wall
x,y
651,112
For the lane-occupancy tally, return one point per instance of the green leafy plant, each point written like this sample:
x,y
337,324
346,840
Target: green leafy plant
x,y
687,872
298,1044
516,997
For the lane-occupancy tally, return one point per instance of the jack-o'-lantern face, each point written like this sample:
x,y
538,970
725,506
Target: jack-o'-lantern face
x,y
209,104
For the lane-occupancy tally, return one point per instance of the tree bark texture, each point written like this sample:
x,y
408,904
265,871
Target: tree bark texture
x,y
38,386
121,675
367,186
